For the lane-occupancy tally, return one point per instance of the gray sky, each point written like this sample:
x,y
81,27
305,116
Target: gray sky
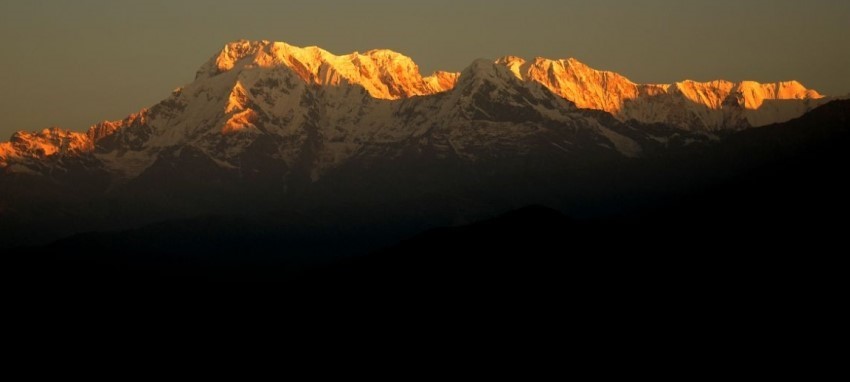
x,y
75,63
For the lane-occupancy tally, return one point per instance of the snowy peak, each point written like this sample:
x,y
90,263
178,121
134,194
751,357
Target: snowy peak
x,y
43,144
589,88
107,128
388,75
55,142
383,73
484,70
755,94
751,94
441,81
586,87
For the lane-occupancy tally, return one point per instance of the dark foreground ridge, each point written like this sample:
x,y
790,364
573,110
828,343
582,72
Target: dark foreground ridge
x,y
774,209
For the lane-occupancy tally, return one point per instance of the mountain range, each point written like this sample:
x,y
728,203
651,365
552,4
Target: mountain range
x,y
355,102
270,126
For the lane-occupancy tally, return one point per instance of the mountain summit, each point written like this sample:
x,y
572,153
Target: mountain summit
x,y
383,73
688,104
389,75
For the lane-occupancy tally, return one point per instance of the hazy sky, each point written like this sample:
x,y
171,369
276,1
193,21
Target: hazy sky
x,y
74,63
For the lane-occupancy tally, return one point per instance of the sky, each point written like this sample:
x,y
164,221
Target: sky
x,y
75,63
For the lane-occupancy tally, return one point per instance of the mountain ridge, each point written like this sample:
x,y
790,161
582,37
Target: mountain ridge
x,y
614,93
385,75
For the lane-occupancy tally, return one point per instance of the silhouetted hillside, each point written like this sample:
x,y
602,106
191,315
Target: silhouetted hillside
x,y
765,204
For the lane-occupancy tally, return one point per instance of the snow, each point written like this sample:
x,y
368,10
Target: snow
x,y
623,144
383,73
128,164
363,104
703,102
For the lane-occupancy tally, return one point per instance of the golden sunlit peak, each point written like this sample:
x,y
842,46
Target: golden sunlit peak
x,y
383,73
389,75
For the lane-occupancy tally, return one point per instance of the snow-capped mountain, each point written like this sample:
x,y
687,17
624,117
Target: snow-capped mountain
x,y
310,111
272,127
688,105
